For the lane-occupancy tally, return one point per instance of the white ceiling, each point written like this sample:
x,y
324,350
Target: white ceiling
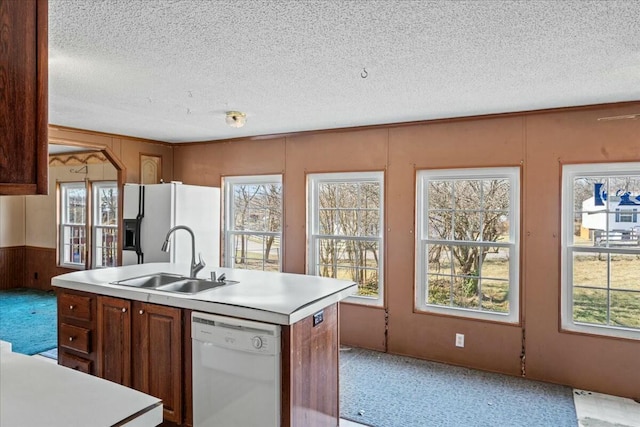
x,y
169,69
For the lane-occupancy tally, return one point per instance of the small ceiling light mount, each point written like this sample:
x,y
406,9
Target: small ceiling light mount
x,y
236,119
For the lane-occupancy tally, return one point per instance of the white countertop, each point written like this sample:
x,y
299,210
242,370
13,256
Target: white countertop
x,y
36,393
278,298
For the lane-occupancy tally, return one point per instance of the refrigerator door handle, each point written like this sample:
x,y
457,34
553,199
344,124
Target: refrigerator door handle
x,y
139,218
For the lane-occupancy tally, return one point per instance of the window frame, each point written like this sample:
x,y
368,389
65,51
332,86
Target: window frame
x,y
63,209
313,182
569,173
228,183
94,211
423,177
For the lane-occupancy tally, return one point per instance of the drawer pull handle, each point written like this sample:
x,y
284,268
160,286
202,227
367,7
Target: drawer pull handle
x,y
124,310
71,307
70,338
141,311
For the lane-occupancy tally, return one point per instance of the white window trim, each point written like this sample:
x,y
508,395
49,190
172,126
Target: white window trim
x,y
63,214
513,175
228,183
313,180
569,173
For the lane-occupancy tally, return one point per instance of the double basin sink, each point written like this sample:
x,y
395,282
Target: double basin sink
x,y
168,282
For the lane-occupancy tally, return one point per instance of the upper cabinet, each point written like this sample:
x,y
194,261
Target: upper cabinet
x,y
23,97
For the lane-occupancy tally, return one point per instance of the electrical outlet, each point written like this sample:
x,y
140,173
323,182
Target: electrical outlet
x,y
459,340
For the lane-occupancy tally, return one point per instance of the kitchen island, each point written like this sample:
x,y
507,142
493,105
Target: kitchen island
x,y
141,337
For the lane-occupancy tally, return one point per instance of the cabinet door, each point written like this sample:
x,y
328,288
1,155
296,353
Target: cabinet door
x,y
114,340
23,97
157,355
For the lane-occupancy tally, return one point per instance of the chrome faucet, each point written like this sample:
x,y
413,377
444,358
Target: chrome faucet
x,y
194,267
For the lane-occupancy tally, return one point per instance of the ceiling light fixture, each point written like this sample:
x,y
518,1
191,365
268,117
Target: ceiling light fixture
x,y
236,119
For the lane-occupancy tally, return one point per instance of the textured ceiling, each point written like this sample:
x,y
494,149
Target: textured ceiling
x,y
169,69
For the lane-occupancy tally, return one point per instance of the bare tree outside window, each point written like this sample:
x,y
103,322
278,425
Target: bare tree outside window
x,y
466,239
347,229
254,223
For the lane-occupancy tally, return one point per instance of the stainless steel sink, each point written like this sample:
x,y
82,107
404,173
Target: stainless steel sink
x,y
191,286
167,282
150,281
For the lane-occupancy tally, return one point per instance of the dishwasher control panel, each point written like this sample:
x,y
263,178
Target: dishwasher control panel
x,y
236,334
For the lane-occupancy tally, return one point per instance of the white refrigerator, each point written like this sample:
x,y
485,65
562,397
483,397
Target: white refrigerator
x,y
150,211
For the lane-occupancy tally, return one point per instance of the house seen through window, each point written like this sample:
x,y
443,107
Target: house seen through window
x,y
253,222
601,249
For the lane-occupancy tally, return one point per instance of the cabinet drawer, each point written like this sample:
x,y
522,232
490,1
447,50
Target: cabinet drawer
x,y
75,338
74,362
75,307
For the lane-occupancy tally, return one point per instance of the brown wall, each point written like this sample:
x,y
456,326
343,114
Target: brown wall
x,y
537,142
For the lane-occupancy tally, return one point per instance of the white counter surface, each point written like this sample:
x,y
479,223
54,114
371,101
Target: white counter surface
x,y
37,393
278,298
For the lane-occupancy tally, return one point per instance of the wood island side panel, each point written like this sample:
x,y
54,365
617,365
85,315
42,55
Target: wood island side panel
x,y
310,392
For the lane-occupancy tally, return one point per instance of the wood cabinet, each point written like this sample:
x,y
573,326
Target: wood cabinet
x,y
77,331
23,97
140,345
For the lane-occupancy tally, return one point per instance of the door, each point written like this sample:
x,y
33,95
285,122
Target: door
x,y
114,340
157,339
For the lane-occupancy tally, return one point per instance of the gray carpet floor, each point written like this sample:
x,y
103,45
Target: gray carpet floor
x,y
384,390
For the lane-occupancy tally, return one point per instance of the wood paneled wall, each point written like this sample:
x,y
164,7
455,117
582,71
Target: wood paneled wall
x,y
40,266
538,143
12,267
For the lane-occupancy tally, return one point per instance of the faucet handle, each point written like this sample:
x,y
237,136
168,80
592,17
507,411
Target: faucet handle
x,y
201,262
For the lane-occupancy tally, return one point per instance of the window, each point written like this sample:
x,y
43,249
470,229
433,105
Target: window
x,y
73,217
105,224
467,255
77,219
345,220
626,215
601,249
253,222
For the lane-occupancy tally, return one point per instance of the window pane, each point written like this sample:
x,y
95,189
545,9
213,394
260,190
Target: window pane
x,y
439,259
465,292
466,260
106,212
495,227
590,306
257,207
439,226
467,194
106,247
440,195
496,194
495,263
467,225
495,295
74,244
625,307
347,222
347,195
590,269
624,272
439,289
256,252
328,221
76,204
370,195
369,221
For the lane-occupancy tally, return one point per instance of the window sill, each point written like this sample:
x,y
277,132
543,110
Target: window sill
x,y
601,331
511,319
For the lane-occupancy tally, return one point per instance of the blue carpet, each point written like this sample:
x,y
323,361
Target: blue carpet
x,y
28,320
384,390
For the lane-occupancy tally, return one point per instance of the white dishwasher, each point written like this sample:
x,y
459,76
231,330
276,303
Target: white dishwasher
x,y
236,372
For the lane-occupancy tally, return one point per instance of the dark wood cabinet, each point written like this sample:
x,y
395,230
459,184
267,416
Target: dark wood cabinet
x,y
114,340
140,346
157,355
23,97
77,336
